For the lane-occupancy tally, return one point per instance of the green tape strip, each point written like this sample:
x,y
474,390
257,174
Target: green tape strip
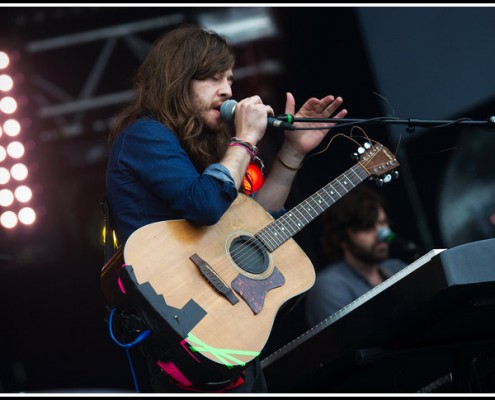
x,y
225,356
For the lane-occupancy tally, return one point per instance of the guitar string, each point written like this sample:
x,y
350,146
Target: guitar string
x,y
269,236
306,205
246,254
328,145
266,234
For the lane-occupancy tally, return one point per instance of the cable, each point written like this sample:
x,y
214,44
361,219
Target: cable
x,y
142,336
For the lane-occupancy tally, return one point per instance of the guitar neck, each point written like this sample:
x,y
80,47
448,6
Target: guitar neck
x,y
279,231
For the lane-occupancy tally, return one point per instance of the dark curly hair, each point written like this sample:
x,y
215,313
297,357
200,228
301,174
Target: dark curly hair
x,y
357,210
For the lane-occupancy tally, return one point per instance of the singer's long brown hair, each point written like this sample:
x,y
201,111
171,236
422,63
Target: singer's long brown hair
x,y
163,89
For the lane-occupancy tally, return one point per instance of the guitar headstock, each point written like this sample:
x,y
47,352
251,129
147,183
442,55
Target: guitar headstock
x,y
379,162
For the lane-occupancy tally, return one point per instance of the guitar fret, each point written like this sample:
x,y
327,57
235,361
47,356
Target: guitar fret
x,y
275,238
343,184
330,194
285,224
320,200
301,214
276,233
309,208
355,174
264,237
335,193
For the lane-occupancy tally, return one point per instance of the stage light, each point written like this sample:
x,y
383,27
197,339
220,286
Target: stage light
x,y
12,127
8,219
15,149
6,197
26,215
4,60
15,199
4,175
8,105
241,25
19,171
23,193
6,83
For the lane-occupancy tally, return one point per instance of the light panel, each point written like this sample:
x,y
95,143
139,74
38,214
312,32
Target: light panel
x,y
15,193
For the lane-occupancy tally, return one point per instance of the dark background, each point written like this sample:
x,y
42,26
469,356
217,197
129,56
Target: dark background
x,y
77,63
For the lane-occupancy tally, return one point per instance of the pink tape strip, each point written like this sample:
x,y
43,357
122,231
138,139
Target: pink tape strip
x,y
183,343
119,282
174,372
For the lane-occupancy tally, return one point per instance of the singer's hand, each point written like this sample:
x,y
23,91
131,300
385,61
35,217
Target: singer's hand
x,y
251,119
303,141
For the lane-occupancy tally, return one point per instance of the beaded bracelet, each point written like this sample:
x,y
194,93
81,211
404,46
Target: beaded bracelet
x,y
251,153
286,165
251,147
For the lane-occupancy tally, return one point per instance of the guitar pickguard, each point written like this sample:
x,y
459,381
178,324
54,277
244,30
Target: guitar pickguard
x,y
254,291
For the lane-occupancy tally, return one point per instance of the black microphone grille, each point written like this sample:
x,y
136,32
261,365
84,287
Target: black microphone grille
x,y
227,109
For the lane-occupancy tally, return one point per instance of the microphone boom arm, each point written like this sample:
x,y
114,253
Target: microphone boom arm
x,y
411,122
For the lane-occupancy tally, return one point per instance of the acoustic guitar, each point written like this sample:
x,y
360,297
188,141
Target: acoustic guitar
x,y
221,286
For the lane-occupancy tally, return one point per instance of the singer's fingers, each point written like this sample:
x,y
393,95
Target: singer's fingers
x,y
334,105
269,110
254,100
341,114
324,103
290,103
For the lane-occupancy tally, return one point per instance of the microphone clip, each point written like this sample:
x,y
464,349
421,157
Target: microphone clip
x,y
286,118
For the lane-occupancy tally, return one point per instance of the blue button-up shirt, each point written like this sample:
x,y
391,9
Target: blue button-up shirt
x,y
150,178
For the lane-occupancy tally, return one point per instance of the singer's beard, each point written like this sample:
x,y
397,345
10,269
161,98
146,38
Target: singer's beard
x,y
373,256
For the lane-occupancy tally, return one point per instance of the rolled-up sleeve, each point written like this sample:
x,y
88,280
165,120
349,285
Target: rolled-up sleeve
x,y
221,173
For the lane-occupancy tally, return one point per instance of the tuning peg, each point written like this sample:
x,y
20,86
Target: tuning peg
x,y
395,174
387,178
355,156
361,150
367,145
379,182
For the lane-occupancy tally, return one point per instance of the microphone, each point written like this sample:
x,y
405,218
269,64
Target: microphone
x,y
398,243
227,111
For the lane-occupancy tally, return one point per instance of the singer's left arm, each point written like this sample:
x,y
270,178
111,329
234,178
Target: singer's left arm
x,y
297,143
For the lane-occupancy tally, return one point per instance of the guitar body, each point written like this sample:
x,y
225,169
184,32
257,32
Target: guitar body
x,y
228,330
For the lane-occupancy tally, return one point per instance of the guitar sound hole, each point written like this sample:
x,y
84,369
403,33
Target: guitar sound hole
x,y
249,254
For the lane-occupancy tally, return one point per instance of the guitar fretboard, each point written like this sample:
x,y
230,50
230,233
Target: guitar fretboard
x,y
276,233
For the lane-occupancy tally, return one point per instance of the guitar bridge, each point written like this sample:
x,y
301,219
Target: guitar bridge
x,y
213,279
